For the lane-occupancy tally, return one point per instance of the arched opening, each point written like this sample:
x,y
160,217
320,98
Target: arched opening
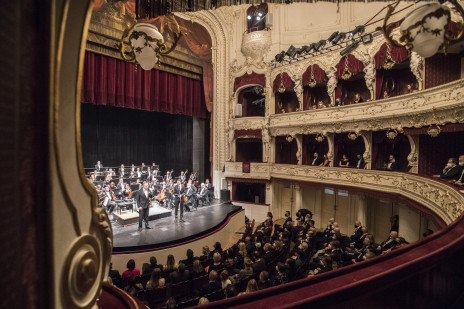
x,y
285,150
256,17
286,100
351,87
311,146
347,148
383,147
253,101
315,93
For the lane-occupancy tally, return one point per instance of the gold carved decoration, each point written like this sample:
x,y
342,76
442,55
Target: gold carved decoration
x,y
282,87
389,61
434,129
346,73
312,81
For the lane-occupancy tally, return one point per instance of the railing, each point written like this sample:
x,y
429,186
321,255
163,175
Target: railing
x,y
257,170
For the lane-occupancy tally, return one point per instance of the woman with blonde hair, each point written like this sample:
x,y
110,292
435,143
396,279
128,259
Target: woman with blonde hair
x,y
205,253
170,265
217,265
203,301
252,286
156,281
197,270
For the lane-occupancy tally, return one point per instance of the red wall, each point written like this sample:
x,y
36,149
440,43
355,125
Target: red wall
x,y
441,69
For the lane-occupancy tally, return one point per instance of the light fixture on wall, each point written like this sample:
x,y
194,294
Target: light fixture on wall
x,y
391,134
353,136
434,129
424,30
319,137
144,44
289,138
282,86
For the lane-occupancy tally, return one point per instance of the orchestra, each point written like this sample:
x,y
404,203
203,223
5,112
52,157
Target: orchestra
x,y
182,193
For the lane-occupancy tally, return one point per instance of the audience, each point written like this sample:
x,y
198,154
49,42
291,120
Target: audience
x,y
131,270
148,268
391,164
197,270
451,171
156,281
344,162
180,275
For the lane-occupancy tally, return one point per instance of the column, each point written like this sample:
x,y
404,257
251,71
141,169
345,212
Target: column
x,y
198,153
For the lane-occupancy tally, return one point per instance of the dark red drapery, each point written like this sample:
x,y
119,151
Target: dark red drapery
x,y
399,54
249,79
110,81
287,81
248,133
354,65
378,84
319,74
449,127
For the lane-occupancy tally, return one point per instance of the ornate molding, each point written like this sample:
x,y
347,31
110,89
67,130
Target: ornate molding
x,y
410,110
257,170
255,45
247,123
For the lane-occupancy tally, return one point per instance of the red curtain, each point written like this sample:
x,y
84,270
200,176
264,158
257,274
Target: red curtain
x,y
354,65
441,69
242,133
287,81
378,83
319,74
399,54
110,81
249,79
338,91
307,97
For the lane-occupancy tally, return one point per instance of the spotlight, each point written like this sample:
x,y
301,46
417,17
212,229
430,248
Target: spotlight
x,y
280,57
358,29
249,17
260,14
340,37
258,18
292,50
349,48
307,48
319,45
367,38
332,36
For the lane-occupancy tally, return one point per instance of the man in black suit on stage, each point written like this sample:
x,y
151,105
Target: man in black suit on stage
x,y
143,203
316,160
178,191
98,166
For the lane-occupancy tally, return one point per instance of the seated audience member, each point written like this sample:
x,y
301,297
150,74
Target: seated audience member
x,y
316,160
288,219
205,254
114,274
281,276
344,162
203,301
388,243
451,171
212,285
358,232
339,102
217,248
225,281
190,258
314,106
148,268
460,179
170,265
252,286
217,265
359,161
198,270
268,253
171,303
156,281
180,275
391,165
259,264
325,266
325,160
321,104
410,88
230,291
385,94
131,270
357,98
264,281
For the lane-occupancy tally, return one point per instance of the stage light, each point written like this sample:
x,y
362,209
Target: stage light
x,y
260,14
280,57
340,37
332,36
249,17
367,38
319,45
306,48
349,48
258,18
358,29
292,50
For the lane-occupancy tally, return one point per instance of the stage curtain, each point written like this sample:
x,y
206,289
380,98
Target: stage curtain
x,y
249,79
287,81
110,81
319,74
378,84
399,54
242,133
354,65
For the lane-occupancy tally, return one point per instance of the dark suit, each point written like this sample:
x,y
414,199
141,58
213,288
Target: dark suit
x,y
453,173
393,166
98,167
316,161
176,276
178,191
121,171
387,244
144,203
357,234
360,163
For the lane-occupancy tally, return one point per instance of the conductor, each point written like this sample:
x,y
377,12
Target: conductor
x,y
143,204
178,192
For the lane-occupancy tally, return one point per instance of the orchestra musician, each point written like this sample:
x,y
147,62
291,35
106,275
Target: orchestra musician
x,y
138,173
192,198
132,168
98,166
203,195
143,203
182,177
121,170
152,176
109,202
131,175
143,166
127,193
168,176
121,185
178,192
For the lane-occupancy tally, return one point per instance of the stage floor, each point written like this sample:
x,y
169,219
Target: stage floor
x,y
166,231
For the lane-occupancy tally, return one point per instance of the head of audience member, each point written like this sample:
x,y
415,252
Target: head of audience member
x,y
224,275
357,96
452,162
337,101
359,156
393,234
264,276
171,303
189,254
247,261
344,157
391,158
252,286
153,261
155,277
357,224
130,264
287,214
217,258
385,94
203,301
320,104
197,267
207,181
316,155
181,268
170,262
410,89
213,276
205,251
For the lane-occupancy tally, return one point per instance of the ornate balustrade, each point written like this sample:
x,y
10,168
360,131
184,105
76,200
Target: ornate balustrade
x,y
442,199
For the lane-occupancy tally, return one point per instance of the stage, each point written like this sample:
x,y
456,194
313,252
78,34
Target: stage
x,y
166,232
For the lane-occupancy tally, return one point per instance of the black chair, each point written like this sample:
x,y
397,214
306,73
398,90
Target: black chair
x,y
156,297
197,283
216,295
180,290
144,279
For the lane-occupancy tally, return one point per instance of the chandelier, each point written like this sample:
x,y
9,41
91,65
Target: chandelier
x,y
424,30
142,42
319,138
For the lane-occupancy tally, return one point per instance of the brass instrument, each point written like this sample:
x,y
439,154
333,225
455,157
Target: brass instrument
x,y
185,198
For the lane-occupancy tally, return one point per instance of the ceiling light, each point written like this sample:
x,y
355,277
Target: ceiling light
x,y
332,36
340,37
249,17
349,48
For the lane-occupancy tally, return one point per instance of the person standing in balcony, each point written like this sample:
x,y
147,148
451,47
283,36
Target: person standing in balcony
x,y
391,165
357,98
